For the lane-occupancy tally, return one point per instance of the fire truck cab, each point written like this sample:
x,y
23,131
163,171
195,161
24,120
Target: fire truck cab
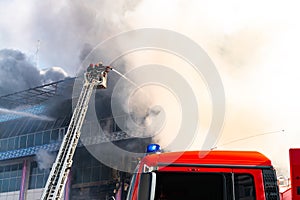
x,y
207,175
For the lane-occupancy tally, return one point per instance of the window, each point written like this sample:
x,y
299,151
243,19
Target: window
x,y
46,137
34,125
22,124
204,185
30,140
96,174
37,177
54,135
11,143
23,141
10,178
178,186
58,123
49,125
17,142
27,126
145,187
86,168
38,139
91,173
244,188
3,145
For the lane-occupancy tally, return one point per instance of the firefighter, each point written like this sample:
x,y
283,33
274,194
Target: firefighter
x,y
99,67
103,77
90,68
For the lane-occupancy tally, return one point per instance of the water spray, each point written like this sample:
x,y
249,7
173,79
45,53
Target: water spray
x,y
123,76
130,81
25,114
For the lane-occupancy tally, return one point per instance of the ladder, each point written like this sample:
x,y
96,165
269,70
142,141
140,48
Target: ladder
x,y
94,77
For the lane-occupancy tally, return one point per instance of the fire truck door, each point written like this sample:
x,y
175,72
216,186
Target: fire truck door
x,y
248,184
295,173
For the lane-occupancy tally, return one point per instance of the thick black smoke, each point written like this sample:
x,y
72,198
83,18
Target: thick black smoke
x,y
69,30
18,73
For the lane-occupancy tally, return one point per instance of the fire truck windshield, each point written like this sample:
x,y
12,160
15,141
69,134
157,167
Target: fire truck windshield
x,y
189,186
212,186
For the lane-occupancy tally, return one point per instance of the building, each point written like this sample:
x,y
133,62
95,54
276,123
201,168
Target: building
x,y
32,125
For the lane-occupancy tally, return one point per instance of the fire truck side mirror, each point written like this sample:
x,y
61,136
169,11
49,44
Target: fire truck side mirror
x,y
147,185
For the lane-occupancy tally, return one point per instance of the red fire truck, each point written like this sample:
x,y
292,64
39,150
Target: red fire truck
x,y
207,175
294,191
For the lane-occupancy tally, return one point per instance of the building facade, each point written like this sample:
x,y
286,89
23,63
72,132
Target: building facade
x,y
32,126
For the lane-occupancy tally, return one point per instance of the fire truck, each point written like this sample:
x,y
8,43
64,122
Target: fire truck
x,y
209,175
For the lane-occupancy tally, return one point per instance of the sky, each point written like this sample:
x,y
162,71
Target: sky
x,y
253,45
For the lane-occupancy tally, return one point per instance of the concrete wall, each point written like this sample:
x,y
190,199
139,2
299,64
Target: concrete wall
x,y
31,195
34,194
10,195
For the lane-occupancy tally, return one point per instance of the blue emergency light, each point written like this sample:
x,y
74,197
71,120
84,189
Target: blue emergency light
x,y
153,148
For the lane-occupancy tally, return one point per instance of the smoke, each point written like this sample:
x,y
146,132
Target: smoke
x,y
18,73
53,74
255,52
45,159
67,30
253,46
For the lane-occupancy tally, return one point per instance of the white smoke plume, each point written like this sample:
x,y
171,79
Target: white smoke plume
x,y
45,159
53,74
254,45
